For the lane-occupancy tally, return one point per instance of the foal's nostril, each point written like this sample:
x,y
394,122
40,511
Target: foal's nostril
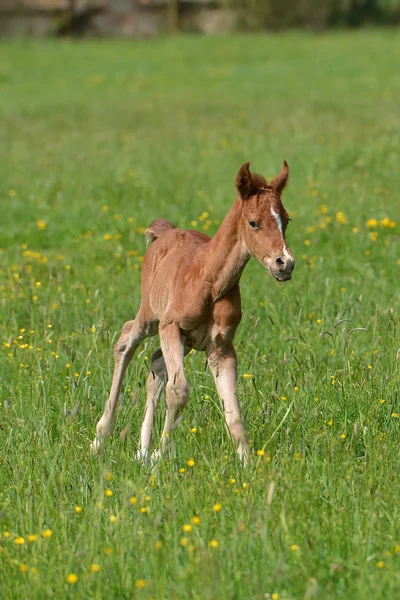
x,y
281,262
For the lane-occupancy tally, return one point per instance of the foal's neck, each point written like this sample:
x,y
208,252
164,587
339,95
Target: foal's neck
x,y
226,255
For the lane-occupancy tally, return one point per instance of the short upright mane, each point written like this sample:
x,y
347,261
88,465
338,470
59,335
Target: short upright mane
x,y
259,181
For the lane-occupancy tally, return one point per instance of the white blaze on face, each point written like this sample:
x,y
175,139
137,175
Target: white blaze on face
x,y
278,220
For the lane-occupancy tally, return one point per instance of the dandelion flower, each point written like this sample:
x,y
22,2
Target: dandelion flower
x,y
132,500
140,584
47,533
32,537
217,507
19,541
41,224
184,541
72,578
341,218
187,528
380,564
196,520
190,462
214,544
78,509
108,493
113,519
94,568
23,568
294,547
158,545
260,452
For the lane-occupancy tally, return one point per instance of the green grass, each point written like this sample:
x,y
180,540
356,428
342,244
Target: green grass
x,y
98,139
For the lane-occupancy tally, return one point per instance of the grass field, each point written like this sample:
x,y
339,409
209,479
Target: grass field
x,y
98,139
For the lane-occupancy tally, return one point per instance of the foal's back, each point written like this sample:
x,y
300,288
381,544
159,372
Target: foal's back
x,y
172,275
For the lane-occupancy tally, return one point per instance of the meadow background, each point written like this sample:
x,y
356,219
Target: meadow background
x,y
97,139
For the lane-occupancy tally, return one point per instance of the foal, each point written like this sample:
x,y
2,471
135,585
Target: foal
x,y
190,294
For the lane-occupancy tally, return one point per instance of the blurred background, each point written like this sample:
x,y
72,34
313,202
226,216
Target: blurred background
x,y
148,18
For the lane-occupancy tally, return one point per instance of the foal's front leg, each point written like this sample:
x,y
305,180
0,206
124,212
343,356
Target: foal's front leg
x,y
177,389
133,332
223,366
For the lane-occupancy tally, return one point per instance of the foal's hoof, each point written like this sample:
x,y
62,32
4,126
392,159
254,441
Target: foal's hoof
x,y
95,446
142,457
155,457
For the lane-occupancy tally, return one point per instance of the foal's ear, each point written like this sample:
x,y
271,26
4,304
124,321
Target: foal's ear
x,y
279,182
244,182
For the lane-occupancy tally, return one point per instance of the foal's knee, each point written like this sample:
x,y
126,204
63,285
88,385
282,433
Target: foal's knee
x,y
178,392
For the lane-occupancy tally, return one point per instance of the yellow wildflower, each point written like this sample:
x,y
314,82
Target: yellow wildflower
x,y
341,218
72,578
94,568
371,223
47,533
19,541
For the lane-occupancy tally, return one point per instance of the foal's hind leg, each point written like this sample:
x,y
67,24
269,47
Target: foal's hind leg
x,y
155,385
177,387
133,332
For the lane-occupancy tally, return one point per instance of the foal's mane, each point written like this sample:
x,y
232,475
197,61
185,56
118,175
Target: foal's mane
x,y
258,181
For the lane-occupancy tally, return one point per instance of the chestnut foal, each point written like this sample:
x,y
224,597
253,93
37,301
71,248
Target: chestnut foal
x,y
191,296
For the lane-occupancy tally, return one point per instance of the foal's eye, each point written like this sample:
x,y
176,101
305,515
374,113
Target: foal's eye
x,y
253,224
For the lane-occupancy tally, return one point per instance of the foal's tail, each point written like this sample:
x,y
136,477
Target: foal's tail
x,y
156,229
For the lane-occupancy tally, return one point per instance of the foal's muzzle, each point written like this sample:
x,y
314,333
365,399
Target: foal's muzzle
x,y
281,267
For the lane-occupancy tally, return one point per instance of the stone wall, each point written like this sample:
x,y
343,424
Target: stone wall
x,y
113,18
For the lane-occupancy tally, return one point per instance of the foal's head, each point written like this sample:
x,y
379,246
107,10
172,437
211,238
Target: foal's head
x,y
264,221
